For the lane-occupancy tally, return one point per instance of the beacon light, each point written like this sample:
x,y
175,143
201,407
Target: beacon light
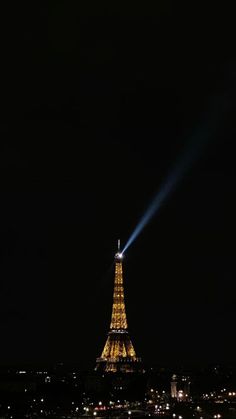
x,y
119,255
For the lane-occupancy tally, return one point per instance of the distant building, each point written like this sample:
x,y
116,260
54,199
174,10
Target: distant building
x,y
173,386
180,387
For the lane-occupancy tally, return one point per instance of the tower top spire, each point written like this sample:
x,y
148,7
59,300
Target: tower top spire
x,y
119,254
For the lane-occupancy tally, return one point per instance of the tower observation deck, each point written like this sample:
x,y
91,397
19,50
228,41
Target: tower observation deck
x,y
118,353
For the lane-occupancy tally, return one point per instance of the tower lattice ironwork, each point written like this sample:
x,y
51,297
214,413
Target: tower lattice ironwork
x,y
118,353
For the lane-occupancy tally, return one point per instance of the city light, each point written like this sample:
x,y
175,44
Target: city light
x,y
160,405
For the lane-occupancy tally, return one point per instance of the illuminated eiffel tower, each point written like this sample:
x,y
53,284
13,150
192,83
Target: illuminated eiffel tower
x,y
118,353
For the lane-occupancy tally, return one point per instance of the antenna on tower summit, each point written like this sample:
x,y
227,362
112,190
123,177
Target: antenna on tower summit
x,y
118,255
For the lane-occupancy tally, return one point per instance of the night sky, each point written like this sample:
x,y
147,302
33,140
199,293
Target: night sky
x,y
98,104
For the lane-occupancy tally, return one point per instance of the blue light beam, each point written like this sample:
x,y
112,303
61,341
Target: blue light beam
x,y
218,108
192,151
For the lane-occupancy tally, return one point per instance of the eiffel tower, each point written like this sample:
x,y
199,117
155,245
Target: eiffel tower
x,y
118,353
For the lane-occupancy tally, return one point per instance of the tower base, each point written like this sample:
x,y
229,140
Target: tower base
x,y
121,364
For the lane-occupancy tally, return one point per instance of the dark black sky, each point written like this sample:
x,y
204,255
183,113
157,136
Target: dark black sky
x,y
97,105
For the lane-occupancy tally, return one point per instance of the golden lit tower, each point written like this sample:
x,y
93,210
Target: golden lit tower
x,y
118,353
